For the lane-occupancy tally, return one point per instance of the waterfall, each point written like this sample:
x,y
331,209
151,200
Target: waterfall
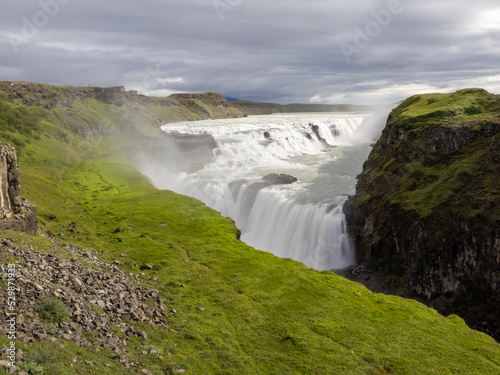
x,y
303,220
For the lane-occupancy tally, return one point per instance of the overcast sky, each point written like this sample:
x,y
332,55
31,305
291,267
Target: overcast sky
x,y
318,51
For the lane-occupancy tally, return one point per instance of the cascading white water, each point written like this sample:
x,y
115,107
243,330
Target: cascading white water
x,y
304,220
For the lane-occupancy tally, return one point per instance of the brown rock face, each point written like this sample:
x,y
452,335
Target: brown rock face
x,y
15,212
10,192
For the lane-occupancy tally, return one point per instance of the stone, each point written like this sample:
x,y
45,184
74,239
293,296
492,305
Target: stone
x,y
268,180
279,179
15,212
119,295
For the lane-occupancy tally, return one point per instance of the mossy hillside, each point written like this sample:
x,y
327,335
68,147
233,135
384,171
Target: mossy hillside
x,y
262,314
424,176
466,107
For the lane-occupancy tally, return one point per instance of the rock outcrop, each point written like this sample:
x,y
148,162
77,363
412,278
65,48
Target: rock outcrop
x,y
268,180
15,213
10,185
427,204
97,296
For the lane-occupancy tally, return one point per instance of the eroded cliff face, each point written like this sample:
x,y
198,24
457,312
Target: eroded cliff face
x,y
15,212
427,204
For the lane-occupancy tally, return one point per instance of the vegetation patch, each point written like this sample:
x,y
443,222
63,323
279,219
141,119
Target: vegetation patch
x,y
52,310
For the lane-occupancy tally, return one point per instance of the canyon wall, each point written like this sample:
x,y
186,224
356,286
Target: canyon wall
x,y
427,206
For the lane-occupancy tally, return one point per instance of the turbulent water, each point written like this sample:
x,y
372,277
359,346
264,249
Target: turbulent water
x,y
302,220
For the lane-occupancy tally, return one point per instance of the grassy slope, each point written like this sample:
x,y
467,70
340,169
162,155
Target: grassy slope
x,y
263,315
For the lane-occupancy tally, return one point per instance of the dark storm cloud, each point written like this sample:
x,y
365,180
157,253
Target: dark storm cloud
x,y
283,51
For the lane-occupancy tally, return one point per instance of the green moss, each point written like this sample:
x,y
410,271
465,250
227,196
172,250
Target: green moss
x,y
174,113
199,106
20,124
423,179
474,110
455,107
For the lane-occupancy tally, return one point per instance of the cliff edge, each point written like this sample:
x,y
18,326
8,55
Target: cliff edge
x,y
427,207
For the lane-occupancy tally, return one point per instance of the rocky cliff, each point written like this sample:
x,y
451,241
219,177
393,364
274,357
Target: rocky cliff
x,y
15,212
49,97
427,206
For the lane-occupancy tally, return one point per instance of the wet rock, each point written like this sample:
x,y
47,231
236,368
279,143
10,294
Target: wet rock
x,y
279,179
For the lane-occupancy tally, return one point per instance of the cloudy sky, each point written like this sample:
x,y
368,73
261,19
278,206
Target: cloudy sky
x,y
318,51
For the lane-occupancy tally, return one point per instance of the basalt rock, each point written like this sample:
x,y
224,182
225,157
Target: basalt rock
x,y
427,205
268,180
15,213
279,179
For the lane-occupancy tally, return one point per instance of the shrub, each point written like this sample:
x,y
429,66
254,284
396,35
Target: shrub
x,y
474,110
52,310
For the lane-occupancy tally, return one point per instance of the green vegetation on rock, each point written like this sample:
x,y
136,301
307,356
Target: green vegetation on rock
x,y
427,204
232,309
446,142
52,310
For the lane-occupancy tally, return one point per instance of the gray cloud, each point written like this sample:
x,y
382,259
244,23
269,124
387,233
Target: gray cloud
x,y
282,51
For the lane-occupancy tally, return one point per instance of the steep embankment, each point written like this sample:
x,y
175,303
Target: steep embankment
x,y
427,204
115,251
